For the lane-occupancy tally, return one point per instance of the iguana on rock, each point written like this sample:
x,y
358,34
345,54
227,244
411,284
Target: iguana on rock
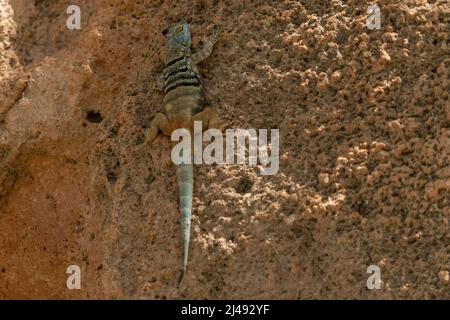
x,y
183,104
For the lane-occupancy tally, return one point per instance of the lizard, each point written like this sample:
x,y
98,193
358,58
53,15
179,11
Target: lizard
x,y
183,104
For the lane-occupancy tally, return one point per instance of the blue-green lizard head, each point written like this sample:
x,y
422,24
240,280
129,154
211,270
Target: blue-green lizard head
x,y
178,41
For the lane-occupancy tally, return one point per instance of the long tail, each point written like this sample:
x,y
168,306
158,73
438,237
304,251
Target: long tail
x,y
185,179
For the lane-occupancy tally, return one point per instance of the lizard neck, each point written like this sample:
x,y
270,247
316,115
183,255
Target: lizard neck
x,y
176,54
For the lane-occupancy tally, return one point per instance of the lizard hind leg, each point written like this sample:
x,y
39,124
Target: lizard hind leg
x,y
159,122
209,118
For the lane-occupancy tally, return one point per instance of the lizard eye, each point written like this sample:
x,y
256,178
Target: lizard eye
x,y
179,29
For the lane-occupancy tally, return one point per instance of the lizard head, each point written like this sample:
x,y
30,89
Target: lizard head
x,y
178,41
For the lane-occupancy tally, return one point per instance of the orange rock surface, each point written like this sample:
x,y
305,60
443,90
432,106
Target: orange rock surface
x,y
364,120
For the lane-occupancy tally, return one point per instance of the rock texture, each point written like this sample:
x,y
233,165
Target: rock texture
x,y
364,120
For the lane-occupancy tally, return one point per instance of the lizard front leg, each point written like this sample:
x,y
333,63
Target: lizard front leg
x,y
159,80
159,122
205,52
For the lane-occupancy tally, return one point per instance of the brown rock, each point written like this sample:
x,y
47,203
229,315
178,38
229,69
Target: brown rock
x,y
364,131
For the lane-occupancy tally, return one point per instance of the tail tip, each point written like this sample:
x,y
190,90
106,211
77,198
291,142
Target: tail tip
x,y
183,271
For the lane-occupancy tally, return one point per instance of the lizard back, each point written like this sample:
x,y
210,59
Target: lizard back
x,y
183,95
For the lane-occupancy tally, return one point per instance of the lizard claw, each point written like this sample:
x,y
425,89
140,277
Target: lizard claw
x,y
216,32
